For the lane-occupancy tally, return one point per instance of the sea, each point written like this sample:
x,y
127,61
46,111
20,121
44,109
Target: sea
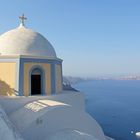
x,y
115,104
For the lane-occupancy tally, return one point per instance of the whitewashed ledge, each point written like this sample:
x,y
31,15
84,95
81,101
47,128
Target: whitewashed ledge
x,y
56,117
7,130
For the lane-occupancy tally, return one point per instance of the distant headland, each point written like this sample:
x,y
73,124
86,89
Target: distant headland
x,y
69,80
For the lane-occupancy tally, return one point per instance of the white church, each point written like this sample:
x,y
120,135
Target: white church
x,y
30,68
28,63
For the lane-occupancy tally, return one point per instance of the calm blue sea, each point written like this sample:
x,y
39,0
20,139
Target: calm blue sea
x,y
115,105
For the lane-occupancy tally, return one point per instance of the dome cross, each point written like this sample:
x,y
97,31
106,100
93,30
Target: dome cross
x,y
22,19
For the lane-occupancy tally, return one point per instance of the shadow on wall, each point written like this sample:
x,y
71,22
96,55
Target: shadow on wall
x,y
5,89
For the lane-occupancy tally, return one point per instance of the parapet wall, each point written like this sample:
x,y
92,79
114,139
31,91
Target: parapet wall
x,y
7,130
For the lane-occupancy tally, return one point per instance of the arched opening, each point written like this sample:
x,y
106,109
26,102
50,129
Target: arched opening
x,y
36,82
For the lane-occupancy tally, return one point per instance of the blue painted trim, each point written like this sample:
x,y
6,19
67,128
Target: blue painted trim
x,y
61,77
53,69
27,60
17,92
21,78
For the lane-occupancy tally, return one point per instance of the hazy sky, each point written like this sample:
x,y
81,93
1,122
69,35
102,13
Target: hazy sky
x,y
93,37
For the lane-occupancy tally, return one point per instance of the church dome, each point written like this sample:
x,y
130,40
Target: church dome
x,y
24,41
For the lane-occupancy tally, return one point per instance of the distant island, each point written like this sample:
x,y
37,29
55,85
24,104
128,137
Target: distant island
x,y
70,80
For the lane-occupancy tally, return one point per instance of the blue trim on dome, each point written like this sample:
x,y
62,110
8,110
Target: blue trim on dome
x,y
61,77
19,79
53,75
40,60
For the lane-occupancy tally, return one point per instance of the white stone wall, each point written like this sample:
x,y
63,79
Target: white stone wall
x,y
7,130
